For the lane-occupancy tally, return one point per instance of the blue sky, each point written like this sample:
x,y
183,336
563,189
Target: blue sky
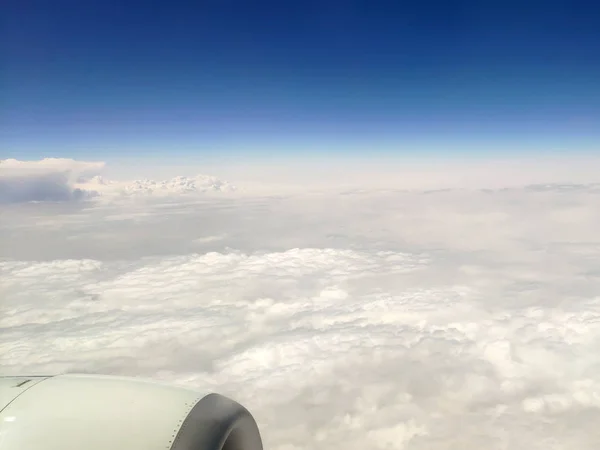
x,y
110,78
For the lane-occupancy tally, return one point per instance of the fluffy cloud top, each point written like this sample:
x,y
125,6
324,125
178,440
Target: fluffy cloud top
x,y
61,180
413,320
175,186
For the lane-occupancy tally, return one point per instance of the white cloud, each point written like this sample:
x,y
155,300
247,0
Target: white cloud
x,y
50,179
38,187
180,185
61,180
458,319
54,164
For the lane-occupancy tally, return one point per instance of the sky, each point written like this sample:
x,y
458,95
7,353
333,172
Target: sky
x,y
258,80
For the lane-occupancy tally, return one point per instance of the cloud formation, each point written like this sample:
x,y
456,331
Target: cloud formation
x,y
64,180
40,187
457,319
180,185
78,168
50,179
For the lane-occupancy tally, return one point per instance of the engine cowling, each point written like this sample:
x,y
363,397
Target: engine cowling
x,y
100,412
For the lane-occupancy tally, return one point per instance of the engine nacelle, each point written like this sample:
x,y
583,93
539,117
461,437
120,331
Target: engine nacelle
x,y
100,412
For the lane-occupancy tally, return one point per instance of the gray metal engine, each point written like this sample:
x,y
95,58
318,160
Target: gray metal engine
x,y
100,412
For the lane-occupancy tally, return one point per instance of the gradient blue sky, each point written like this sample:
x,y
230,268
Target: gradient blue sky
x,y
100,79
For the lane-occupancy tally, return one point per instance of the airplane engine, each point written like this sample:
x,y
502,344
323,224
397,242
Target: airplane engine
x,y
100,412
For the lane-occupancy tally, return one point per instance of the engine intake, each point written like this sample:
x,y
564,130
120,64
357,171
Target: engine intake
x,y
101,412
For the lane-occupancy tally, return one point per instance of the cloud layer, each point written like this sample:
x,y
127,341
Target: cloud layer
x,y
410,320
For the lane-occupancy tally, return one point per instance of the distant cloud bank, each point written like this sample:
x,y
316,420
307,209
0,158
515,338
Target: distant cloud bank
x,y
64,180
47,180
